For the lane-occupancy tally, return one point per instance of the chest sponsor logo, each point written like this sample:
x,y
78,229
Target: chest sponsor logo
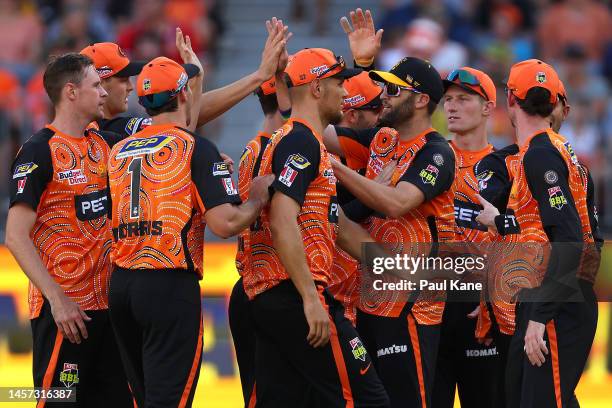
x,y
393,349
334,210
228,184
556,198
220,169
24,169
92,205
466,213
287,176
510,223
482,353
139,147
72,176
429,174
138,229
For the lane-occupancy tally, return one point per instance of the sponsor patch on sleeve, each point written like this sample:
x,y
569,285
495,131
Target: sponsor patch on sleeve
x,y
139,147
297,161
556,198
228,184
22,170
287,176
483,179
220,169
21,185
429,174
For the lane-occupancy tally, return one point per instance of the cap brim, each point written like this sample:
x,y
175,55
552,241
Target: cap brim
x,y
131,69
387,77
347,73
375,103
191,69
446,83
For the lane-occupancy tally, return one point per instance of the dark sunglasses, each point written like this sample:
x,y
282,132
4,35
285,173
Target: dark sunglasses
x,y
339,63
395,90
466,78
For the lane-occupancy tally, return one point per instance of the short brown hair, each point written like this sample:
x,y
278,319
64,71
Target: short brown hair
x,y
63,69
537,102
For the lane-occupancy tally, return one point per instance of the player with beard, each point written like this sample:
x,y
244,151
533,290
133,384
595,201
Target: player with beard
x,y
416,208
317,359
58,231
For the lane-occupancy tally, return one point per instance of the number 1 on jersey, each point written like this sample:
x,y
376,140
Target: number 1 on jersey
x,y
135,168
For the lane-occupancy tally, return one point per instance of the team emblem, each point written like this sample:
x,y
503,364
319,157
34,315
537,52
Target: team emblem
x,y
556,198
571,152
146,84
438,159
429,175
359,351
551,177
541,77
483,179
69,375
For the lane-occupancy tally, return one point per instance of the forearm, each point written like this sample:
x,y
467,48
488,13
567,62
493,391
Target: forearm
x,y
378,197
216,102
196,85
282,93
245,215
289,245
351,236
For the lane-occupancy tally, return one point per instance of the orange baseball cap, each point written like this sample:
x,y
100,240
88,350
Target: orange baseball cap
x,y
110,60
533,73
161,80
315,63
363,93
472,80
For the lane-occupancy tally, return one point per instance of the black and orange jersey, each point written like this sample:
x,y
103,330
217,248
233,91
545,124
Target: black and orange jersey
x,y
426,161
162,180
549,199
122,125
248,168
64,179
355,145
344,286
467,207
302,167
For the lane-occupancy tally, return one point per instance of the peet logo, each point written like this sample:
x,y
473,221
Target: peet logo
x,y
137,147
73,176
92,205
22,170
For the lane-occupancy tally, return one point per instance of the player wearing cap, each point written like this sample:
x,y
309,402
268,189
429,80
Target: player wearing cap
x,y
464,363
316,358
115,69
166,185
552,338
416,208
57,230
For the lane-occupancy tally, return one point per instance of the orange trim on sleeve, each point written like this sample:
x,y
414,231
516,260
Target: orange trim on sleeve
x,y
253,399
194,369
416,348
48,378
554,355
340,365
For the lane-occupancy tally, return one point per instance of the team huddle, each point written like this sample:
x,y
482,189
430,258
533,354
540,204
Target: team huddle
x,y
107,218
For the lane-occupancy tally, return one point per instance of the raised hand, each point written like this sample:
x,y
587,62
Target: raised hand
x,y
364,40
283,58
183,45
275,45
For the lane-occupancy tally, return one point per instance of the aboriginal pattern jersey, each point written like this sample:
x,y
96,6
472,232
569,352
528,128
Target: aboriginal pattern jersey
x,y
162,181
297,157
64,179
426,161
248,168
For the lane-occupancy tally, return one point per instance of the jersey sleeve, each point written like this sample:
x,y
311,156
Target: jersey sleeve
x,y
432,170
30,173
211,176
295,164
547,177
493,181
355,145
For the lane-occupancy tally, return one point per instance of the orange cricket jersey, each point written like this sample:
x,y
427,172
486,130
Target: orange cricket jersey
x,y
64,179
162,181
297,157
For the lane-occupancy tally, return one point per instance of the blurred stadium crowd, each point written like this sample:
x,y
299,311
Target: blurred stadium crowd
x,y
573,35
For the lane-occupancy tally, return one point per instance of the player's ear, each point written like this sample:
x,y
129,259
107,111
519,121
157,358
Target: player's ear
x,y
487,108
421,101
69,92
316,88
